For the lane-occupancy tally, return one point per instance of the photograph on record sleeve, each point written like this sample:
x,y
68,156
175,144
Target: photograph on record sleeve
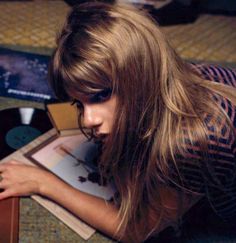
x,y
72,158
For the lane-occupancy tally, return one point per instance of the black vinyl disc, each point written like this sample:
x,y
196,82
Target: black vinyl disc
x,y
19,126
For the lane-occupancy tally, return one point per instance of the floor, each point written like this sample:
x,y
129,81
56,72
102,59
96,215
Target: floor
x,y
35,23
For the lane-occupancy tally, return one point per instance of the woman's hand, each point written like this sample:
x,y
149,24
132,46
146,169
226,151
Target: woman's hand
x,y
22,180
18,179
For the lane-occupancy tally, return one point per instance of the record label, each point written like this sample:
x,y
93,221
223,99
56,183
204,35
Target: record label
x,y
19,136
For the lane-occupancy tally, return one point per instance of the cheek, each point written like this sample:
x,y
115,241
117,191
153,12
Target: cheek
x,y
110,117
111,112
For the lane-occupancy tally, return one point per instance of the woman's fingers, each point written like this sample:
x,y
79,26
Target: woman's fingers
x,y
5,194
18,189
5,166
14,162
2,167
17,179
3,184
13,192
10,162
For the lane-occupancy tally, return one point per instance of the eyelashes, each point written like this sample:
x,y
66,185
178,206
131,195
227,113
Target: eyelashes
x,y
98,97
101,96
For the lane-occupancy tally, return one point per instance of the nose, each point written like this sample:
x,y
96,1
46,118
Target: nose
x,y
91,116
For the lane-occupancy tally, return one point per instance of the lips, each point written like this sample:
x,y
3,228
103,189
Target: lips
x,y
100,137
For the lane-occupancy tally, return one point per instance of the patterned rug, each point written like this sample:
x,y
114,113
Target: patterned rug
x,y
35,24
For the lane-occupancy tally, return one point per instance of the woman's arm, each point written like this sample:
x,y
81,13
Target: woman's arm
x,y
24,180
96,211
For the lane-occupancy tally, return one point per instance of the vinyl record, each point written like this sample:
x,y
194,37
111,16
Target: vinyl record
x,y
19,126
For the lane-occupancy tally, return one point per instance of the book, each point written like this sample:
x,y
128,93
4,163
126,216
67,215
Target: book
x,y
9,220
24,76
73,159
64,118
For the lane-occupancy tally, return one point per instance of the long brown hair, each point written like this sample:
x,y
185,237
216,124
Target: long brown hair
x,y
161,99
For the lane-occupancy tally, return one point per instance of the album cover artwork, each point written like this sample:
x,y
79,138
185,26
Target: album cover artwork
x,y
24,76
72,159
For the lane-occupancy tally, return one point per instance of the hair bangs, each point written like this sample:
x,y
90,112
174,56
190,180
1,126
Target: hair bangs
x,y
78,76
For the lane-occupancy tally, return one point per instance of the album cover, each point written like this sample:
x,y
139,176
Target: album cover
x,y
73,159
24,76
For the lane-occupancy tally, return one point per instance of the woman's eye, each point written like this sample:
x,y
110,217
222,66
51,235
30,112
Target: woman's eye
x,y
100,96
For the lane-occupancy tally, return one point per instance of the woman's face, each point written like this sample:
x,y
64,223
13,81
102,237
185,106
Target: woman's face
x,y
99,112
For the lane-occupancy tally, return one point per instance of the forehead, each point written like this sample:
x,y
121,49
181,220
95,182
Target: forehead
x,y
79,87
83,94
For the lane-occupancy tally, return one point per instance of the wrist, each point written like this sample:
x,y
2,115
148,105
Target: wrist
x,y
51,186
47,183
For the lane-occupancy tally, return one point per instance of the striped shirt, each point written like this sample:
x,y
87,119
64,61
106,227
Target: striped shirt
x,y
216,178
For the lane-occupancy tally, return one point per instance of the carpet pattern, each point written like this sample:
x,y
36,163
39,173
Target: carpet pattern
x,y
35,24
210,38
32,23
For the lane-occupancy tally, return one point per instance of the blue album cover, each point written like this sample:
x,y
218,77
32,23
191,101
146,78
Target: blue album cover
x,y
24,76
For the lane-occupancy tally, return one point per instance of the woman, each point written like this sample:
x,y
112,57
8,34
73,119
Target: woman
x,y
168,134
